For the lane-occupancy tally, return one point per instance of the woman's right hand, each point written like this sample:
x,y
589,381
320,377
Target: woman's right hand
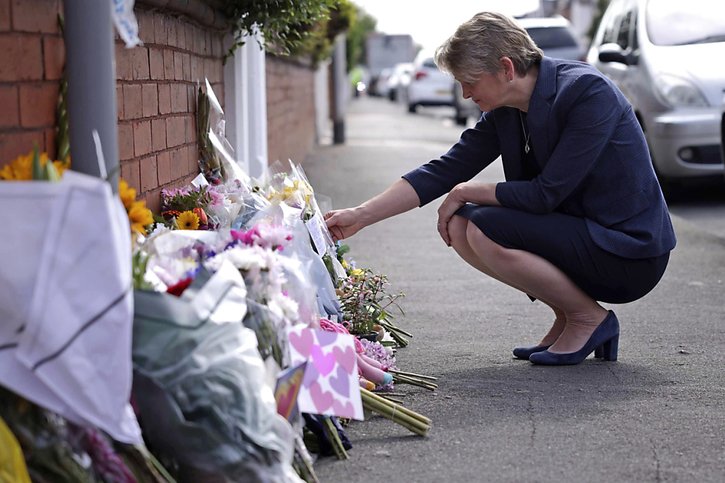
x,y
343,223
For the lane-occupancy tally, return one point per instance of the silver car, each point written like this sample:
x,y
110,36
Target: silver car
x,y
666,57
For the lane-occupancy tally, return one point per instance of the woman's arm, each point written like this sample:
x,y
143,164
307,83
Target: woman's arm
x,y
398,198
469,192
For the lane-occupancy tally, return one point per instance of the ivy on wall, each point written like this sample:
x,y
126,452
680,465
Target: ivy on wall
x,y
288,27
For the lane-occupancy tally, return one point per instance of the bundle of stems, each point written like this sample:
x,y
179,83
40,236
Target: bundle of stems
x,y
396,333
410,420
427,382
334,437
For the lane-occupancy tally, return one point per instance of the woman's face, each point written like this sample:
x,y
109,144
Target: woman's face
x,y
489,91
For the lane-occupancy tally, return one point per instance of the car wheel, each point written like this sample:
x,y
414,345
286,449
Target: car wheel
x,y
412,108
461,120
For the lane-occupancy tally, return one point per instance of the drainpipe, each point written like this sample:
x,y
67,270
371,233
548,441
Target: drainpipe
x,y
341,88
90,67
256,78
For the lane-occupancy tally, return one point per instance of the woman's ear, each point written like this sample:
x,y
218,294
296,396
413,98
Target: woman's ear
x,y
507,66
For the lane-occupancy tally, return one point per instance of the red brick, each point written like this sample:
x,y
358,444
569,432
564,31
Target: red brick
x,y
197,69
140,63
179,98
50,142
178,66
173,37
164,99
35,16
168,64
146,31
186,67
37,104
23,58
158,134
123,62
130,173
192,157
119,102
153,200
132,101
156,64
190,128
149,179
189,33
53,57
160,28
10,112
181,35
150,96
141,138
125,141
175,131
14,144
4,16
163,166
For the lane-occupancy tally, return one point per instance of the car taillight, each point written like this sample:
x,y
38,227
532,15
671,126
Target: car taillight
x,y
420,75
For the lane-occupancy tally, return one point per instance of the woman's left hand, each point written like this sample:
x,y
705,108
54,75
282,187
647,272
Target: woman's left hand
x,y
471,191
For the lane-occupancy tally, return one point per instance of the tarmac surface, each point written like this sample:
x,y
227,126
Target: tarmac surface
x,y
657,414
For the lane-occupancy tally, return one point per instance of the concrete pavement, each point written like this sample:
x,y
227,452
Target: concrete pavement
x,y
658,414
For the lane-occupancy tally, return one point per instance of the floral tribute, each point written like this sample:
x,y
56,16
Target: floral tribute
x,y
233,279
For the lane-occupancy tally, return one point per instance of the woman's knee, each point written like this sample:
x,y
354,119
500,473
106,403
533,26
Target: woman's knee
x,y
484,246
457,227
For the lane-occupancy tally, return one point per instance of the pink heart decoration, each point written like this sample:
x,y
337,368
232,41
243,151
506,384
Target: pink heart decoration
x,y
311,375
346,410
340,382
323,362
322,400
325,337
302,342
346,358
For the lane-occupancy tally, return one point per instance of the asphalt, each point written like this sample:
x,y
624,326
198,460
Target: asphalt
x,y
657,414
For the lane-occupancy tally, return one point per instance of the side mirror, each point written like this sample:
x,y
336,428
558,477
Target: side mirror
x,y
612,53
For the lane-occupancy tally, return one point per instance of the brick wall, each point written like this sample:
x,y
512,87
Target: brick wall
x,y
31,59
156,92
290,109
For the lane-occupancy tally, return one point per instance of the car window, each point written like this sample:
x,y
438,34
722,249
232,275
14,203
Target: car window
x,y
677,22
430,64
552,37
611,22
625,29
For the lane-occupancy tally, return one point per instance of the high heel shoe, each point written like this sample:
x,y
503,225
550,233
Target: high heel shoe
x,y
604,340
525,352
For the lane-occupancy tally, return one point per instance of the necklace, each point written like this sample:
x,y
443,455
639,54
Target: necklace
x,y
527,136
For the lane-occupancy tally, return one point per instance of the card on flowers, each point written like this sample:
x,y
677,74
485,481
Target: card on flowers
x,y
288,386
330,384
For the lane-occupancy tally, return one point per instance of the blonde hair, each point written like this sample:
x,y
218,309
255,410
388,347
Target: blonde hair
x,y
478,45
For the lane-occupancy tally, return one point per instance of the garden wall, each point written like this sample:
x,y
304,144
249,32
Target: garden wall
x,y
156,85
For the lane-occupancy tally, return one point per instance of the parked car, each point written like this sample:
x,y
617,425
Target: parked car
x,y
665,57
428,85
554,35
398,80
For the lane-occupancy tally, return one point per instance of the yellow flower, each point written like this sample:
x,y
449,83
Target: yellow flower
x,y
356,272
139,217
21,168
127,194
187,220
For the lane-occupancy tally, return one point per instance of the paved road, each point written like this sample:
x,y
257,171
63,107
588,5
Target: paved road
x,y
658,414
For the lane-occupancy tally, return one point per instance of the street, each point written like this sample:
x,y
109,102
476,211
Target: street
x,y
657,414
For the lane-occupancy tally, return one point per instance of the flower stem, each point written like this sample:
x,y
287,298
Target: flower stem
x,y
410,420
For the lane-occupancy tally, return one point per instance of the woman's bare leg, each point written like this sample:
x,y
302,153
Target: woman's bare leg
x,y
576,314
457,229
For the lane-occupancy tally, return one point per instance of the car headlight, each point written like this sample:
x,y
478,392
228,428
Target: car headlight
x,y
678,92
